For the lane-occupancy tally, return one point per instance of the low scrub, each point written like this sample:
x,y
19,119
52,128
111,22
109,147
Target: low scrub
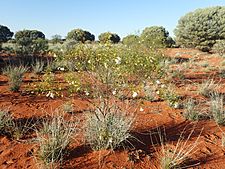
x,y
54,139
15,75
107,127
217,108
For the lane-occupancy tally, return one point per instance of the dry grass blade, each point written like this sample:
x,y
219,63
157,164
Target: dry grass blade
x,y
177,156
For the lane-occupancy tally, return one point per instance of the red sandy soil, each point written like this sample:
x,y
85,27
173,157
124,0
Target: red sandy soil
x,y
209,154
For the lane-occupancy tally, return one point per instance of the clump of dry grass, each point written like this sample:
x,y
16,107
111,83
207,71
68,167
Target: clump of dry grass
x,y
54,138
217,108
178,155
107,127
207,88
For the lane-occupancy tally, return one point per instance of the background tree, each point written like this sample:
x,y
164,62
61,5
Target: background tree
x,y
5,34
56,39
30,41
131,40
201,28
108,37
155,36
80,35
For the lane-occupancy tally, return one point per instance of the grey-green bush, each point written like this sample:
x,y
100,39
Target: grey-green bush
x,y
5,34
201,28
131,40
219,47
80,35
107,127
108,37
155,36
30,42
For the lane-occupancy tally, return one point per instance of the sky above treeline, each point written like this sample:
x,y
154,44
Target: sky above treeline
x,y
123,17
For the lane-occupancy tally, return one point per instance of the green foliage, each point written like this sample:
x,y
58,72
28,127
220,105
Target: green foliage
x,y
108,37
201,28
38,66
31,42
5,34
15,75
54,138
138,61
191,111
219,47
107,127
170,95
154,36
80,35
56,39
131,40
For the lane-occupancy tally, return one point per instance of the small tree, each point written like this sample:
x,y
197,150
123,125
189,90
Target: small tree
x,y
80,35
131,40
31,41
5,34
202,28
155,36
56,39
108,37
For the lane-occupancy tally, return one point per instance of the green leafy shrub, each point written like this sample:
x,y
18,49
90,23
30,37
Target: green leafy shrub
x,y
31,42
80,35
131,40
5,34
201,28
15,75
56,39
108,37
115,65
170,95
155,36
219,47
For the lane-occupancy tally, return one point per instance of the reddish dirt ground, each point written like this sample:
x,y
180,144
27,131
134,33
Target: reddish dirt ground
x,y
209,154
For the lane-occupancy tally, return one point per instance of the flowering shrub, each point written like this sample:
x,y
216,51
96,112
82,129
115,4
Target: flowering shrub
x,y
116,65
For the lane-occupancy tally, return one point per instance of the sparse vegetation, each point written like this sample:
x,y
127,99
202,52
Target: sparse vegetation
x,y
110,95
107,127
54,139
217,108
38,67
178,155
207,88
6,122
15,75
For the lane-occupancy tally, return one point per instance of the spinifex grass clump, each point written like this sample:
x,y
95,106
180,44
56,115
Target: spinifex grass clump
x,y
107,127
217,108
54,139
207,88
6,122
15,75
178,155
38,66
195,111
